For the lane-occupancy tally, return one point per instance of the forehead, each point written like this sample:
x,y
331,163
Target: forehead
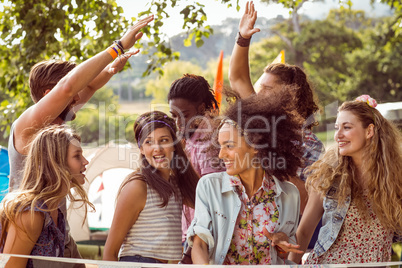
x,y
228,132
159,132
346,117
74,146
180,104
270,80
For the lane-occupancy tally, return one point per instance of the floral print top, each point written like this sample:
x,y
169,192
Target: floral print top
x,y
249,245
360,240
51,240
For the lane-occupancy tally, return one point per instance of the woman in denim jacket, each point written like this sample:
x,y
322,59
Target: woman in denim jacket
x,y
237,210
356,188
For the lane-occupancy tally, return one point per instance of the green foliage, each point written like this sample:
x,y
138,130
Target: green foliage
x,y
38,30
396,5
194,18
99,122
159,87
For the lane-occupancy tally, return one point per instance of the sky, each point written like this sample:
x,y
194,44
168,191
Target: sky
x,y
217,12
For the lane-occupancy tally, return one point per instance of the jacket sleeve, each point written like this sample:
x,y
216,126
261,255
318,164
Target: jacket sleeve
x,y
202,222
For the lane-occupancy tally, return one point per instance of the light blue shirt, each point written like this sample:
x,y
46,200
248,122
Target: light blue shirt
x,y
217,206
332,221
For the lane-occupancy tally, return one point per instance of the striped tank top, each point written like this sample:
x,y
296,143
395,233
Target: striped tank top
x,y
157,231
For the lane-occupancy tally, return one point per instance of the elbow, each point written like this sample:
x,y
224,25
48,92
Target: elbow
x,y
66,88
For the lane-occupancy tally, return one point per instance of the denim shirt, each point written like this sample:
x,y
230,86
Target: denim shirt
x,y
218,205
332,221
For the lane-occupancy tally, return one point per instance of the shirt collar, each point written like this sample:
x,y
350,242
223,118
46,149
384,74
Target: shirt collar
x,y
227,185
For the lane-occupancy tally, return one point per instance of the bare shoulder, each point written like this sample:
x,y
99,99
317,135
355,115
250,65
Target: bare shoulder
x,y
32,222
134,189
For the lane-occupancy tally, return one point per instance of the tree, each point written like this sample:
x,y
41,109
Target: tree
x,y
76,30
159,87
32,31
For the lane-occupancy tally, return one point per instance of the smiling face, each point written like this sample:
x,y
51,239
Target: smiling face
x,y
351,136
76,162
158,149
184,112
235,152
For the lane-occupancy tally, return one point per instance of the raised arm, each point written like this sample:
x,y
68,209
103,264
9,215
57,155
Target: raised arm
x,y
311,216
239,71
87,76
130,203
18,242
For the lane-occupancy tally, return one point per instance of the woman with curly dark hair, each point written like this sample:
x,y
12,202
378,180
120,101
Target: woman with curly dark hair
x,y
276,79
235,211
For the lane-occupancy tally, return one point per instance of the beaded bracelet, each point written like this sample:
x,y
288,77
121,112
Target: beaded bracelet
x,y
119,44
241,41
114,51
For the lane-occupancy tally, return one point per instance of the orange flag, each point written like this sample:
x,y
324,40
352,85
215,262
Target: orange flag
x,y
218,83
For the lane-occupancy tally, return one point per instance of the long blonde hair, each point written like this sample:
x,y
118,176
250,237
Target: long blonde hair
x,y
382,158
47,178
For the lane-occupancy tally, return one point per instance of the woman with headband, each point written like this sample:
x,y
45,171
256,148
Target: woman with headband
x,y
357,189
237,210
146,225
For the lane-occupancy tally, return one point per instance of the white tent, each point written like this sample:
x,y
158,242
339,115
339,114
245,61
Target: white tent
x,y
391,111
111,156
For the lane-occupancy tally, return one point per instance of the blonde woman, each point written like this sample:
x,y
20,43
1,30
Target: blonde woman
x,y
31,220
357,189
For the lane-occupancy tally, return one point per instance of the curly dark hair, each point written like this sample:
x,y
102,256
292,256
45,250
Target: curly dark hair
x,y
184,176
306,103
273,128
193,88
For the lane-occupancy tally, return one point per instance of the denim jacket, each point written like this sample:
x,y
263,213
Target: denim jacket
x,y
218,205
332,221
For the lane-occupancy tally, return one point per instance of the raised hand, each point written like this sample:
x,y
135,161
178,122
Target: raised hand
x,y
280,240
133,34
118,64
246,26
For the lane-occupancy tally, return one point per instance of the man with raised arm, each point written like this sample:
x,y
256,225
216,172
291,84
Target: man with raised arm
x,y
276,78
59,89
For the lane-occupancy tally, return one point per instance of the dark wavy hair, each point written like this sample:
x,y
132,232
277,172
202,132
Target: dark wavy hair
x,y
273,128
184,177
194,88
306,103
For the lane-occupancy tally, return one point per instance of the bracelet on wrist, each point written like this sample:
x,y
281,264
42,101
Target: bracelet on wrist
x,y
119,44
241,41
114,50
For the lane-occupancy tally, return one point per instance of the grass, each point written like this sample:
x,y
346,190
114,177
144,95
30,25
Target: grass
x,y
91,252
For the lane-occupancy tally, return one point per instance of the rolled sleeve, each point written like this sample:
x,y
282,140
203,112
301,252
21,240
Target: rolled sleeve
x,y
202,222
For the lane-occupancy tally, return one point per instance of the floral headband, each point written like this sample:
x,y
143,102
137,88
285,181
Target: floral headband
x,y
367,99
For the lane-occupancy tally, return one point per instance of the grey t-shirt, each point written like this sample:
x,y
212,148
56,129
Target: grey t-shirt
x,y
17,162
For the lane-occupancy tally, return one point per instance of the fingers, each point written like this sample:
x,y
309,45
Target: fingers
x,y
132,53
267,234
252,10
255,30
295,251
138,36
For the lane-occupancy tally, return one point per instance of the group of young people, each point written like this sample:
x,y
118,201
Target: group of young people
x,y
230,185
